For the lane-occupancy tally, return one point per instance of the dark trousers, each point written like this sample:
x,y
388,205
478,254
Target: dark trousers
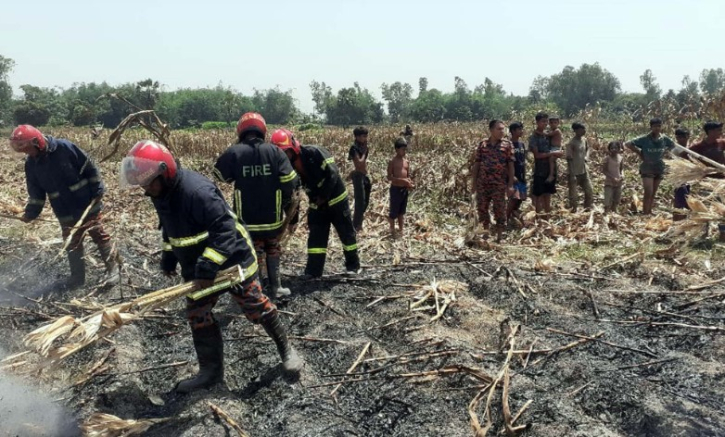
x,y
362,187
319,221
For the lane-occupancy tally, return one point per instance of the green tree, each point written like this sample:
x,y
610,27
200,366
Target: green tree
x,y
712,81
539,90
429,106
573,89
651,89
276,106
321,96
6,91
399,97
37,106
353,105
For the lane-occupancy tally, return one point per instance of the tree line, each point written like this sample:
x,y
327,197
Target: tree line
x,y
565,93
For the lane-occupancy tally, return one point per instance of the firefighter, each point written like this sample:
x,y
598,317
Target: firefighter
x,y
264,182
59,170
202,235
328,203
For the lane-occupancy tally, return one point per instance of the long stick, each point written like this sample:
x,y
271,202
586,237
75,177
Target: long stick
x,y
77,226
354,366
700,157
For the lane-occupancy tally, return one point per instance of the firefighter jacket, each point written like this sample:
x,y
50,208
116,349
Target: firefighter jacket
x,y
263,184
67,177
199,230
322,178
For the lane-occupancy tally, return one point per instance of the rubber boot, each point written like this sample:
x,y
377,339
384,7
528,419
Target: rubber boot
x,y
111,260
291,362
275,283
352,263
210,353
77,269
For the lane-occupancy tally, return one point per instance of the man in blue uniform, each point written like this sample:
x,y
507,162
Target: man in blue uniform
x,y
328,203
59,170
264,182
202,235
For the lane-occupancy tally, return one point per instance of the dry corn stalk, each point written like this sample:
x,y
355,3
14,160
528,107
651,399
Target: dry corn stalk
x,y
75,334
107,425
443,294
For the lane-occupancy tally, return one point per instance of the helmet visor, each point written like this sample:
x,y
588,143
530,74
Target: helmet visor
x,y
139,171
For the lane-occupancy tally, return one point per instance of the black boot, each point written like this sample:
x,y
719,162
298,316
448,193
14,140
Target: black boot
x,y
275,283
210,353
291,362
77,269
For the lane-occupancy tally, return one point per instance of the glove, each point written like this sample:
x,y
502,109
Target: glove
x,y
200,284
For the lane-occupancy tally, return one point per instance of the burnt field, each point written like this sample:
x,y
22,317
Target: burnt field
x,y
586,326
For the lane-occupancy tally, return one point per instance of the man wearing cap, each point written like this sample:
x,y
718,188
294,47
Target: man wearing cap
x,y
59,170
651,149
713,147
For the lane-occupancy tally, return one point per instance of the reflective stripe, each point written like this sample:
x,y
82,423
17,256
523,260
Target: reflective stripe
x,y
94,179
267,227
321,183
53,196
166,246
246,273
238,203
189,241
349,248
248,239
317,250
82,183
217,174
278,206
38,202
338,199
215,256
288,178
327,161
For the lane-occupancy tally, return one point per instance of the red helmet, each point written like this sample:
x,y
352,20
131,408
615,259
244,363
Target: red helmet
x,y
145,161
24,133
251,122
285,140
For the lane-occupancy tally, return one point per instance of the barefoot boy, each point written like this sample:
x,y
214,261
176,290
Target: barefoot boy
x,y
516,130
577,155
400,185
651,149
612,169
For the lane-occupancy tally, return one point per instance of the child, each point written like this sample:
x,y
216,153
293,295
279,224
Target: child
x,y
519,148
555,137
400,185
651,149
682,137
577,155
612,169
360,180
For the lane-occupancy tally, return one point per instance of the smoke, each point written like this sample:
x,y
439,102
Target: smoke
x,y
26,412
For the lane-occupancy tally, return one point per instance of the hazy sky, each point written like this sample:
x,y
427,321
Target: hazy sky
x,y
262,44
